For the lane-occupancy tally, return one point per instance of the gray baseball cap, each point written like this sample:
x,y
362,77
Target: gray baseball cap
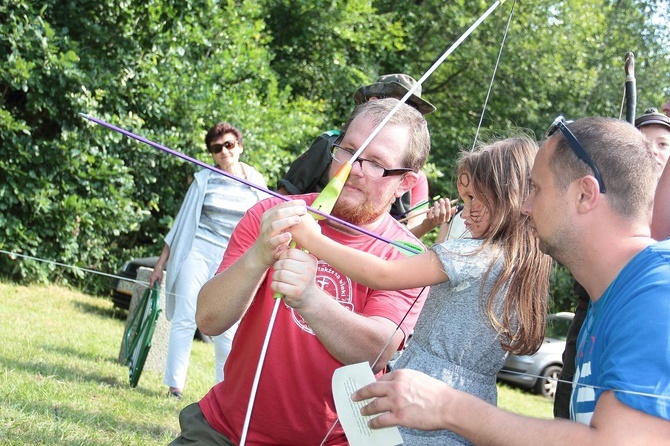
x,y
394,86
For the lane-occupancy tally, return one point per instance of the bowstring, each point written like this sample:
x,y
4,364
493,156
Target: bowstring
x,y
378,128
14,255
481,119
590,386
495,70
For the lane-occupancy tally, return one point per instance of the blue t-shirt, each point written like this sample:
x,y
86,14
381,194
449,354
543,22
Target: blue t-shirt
x,y
624,344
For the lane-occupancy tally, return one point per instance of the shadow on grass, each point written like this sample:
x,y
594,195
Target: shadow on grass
x,y
68,423
110,312
87,356
64,420
71,373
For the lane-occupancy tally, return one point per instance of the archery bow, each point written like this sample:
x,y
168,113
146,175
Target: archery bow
x,y
326,200
630,87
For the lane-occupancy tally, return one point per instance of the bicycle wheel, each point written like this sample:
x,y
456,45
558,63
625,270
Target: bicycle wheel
x,y
140,332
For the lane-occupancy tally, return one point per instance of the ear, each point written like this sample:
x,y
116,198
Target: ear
x,y
587,194
409,180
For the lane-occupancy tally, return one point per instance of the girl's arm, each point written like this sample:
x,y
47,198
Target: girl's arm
x,y
367,269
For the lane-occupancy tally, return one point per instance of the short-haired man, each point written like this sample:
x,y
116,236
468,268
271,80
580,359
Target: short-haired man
x,y
592,194
656,127
328,322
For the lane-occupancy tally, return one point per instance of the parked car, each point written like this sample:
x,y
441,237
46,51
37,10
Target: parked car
x,y
539,372
121,290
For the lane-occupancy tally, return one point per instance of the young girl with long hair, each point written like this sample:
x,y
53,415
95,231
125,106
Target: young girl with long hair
x,y
490,291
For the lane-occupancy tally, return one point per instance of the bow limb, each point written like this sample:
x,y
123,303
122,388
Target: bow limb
x,y
333,191
430,71
630,87
328,200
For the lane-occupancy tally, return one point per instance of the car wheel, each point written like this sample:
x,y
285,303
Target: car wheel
x,y
546,386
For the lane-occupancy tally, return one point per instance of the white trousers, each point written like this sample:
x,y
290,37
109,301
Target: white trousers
x,y
199,266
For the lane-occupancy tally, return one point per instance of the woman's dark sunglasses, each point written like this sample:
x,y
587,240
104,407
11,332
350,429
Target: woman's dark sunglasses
x,y
228,145
561,124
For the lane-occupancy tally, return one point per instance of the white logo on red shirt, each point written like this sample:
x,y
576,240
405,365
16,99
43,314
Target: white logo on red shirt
x,y
332,282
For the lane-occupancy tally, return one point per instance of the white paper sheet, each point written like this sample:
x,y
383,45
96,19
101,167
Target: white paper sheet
x,y
346,380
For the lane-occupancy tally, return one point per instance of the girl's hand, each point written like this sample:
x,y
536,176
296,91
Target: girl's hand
x,y
307,232
439,213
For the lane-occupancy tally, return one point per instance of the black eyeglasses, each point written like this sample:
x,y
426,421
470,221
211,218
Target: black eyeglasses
x,y
561,124
228,145
369,168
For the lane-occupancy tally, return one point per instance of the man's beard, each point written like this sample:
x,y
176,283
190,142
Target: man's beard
x,y
360,215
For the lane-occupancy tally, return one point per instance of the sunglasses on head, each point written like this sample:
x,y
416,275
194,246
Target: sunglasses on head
x,y
561,124
228,145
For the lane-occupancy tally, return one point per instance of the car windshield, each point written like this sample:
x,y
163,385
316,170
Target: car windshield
x,y
557,328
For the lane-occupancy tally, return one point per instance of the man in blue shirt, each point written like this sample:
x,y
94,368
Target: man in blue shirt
x,y
590,205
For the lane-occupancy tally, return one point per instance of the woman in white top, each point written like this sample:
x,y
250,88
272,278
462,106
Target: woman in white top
x,y
195,245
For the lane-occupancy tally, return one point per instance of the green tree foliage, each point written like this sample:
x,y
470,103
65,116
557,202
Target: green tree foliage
x,y
559,58
80,194
282,71
327,49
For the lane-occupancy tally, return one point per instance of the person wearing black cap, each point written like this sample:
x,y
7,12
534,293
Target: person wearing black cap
x,y
656,127
309,172
394,86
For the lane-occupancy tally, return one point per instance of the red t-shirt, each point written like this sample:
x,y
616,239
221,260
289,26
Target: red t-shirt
x,y
294,403
420,190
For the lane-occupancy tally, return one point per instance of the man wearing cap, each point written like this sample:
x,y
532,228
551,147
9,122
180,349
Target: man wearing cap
x,y
309,172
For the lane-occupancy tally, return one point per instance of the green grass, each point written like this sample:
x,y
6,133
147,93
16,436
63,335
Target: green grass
x,y
525,403
60,349
61,384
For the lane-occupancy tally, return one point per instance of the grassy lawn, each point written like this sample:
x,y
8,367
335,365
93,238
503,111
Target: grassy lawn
x,y
61,384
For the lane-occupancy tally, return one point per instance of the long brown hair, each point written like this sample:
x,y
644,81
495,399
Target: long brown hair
x,y
500,175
